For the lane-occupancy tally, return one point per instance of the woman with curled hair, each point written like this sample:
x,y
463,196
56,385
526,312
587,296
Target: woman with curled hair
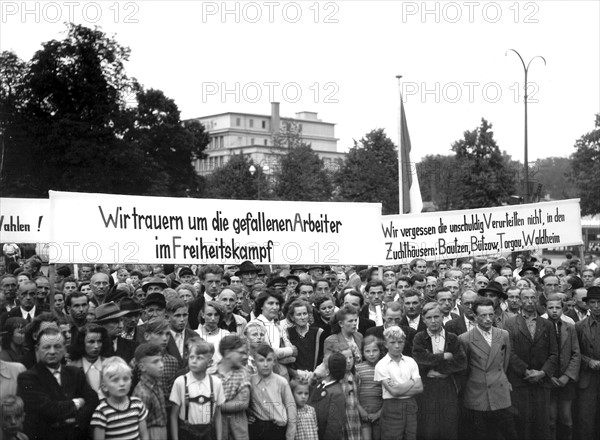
x,y
344,326
88,351
13,340
210,318
187,293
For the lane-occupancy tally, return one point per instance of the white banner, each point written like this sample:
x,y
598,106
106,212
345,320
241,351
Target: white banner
x,y
134,229
438,236
24,220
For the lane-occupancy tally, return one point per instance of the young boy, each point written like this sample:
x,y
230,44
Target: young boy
x,y
12,414
399,376
329,400
306,423
118,416
196,397
272,404
564,381
149,358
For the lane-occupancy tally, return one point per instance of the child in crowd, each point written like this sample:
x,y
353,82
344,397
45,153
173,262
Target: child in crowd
x,y
118,416
272,407
150,363
12,414
210,318
369,392
256,334
328,399
352,428
306,423
399,376
236,385
196,398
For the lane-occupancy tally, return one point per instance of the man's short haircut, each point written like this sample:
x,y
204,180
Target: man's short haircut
x,y
336,364
412,292
322,280
403,278
417,277
265,350
197,345
253,324
174,305
230,343
136,273
374,283
550,275
394,332
393,306
187,286
157,325
481,301
69,299
147,350
441,289
430,306
496,267
554,297
356,293
210,268
574,281
114,366
52,330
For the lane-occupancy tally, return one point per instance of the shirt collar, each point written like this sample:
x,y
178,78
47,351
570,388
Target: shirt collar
x,y
440,334
25,312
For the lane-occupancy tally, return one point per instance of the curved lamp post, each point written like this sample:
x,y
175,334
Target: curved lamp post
x,y
526,69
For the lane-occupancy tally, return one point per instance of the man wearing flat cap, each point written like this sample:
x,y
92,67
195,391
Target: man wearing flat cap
x,y
127,338
155,306
154,284
588,395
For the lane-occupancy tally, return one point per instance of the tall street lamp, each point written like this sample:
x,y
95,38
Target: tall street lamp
x,y
526,69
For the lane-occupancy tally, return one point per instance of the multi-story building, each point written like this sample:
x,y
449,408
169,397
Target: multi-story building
x,y
253,135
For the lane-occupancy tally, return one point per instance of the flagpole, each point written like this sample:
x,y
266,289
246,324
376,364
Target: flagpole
x,y
400,176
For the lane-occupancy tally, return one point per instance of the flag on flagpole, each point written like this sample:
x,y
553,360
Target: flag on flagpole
x,y
408,181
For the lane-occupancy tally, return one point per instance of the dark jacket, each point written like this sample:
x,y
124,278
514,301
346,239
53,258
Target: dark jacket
x,y
330,406
49,406
408,331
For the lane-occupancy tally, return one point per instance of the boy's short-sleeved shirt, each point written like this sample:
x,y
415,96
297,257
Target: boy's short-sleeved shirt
x,y
198,413
402,371
117,424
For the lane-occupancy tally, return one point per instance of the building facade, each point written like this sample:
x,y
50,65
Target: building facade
x,y
253,135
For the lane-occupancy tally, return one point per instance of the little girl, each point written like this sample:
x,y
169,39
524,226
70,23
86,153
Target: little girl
x,y
369,392
352,428
306,421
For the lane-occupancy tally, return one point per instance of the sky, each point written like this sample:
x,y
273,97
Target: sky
x,y
340,59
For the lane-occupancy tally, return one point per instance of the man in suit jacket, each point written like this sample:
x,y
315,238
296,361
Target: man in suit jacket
x,y
177,314
466,321
487,390
27,309
58,400
413,304
588,396
564,381
533,362
393,316
580,311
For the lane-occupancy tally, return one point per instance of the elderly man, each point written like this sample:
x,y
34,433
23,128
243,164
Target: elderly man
x,y
391,317
533,362
487,390
100,285
27,309
58,400
466,322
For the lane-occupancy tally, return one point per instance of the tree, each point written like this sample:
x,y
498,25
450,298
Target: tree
x,y
235,181
77,122
585,170
437,178
483,179
553,174
370,172
302,176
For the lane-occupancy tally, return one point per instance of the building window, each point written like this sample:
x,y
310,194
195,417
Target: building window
x,y
220,141
266,143
264,124
239,140
251,141
238,122
251,122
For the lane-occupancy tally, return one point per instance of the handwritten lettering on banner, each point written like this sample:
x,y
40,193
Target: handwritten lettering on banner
x,y
24,220
130,229
476,232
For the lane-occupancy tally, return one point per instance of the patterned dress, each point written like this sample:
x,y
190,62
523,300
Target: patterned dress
x,y
352,428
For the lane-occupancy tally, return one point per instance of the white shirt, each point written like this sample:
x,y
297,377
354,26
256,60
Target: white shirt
x,y
400,372
438,341
274,335
414,323
563,318
93,373
445,319
376,315
178,338
469,324
24,313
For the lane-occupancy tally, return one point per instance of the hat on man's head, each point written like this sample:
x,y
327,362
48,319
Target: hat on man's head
x,y
185,271
309,268
493,287
247,267
293,277
301,267
277,280
156,298
108,312
64,271
130,305
154,281
593,292
531,268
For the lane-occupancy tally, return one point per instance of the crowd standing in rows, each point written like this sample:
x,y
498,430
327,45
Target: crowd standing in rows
x,y
430,350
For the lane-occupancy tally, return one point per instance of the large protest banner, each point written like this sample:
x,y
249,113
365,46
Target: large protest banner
x,y
437,236
135,229
24,220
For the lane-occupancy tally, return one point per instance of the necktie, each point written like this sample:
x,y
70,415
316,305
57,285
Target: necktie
x,y
28,319
558,326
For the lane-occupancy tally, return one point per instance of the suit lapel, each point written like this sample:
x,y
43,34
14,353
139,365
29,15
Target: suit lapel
x,y
479,341
523,327
495,348
539,328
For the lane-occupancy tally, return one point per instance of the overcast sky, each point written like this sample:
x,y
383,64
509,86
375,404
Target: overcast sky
x,y
340,59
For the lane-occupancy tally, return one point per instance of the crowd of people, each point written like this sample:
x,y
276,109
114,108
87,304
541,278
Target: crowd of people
x,y
470,348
